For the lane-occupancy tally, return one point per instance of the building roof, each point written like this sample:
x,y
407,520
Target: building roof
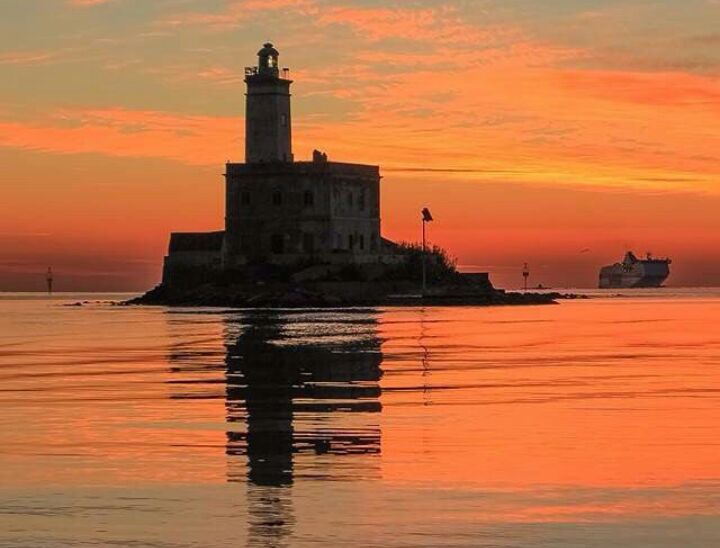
x,y
268,50
296,168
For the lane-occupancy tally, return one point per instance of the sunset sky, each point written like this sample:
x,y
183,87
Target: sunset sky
x,y
554,132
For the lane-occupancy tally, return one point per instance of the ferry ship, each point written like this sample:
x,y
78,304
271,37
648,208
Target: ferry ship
x,y
634,272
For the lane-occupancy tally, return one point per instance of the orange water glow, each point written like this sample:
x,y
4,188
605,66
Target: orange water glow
x,y
594,412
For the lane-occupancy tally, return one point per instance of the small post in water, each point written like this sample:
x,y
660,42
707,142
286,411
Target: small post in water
x,y
49,280
526,274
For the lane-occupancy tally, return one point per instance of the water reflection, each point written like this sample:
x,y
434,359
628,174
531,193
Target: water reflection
x,y
290,381
543,426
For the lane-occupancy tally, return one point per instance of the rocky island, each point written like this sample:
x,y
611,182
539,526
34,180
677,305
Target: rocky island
x,y
323,285
306,233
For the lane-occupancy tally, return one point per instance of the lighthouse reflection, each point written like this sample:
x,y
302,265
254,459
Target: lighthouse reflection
x,y
302,396
301,392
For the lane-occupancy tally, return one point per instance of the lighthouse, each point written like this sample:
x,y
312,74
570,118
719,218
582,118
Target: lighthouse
x,y
279,211
268,128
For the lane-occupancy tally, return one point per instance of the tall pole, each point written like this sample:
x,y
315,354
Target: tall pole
x,y
426,218
49,280
424,259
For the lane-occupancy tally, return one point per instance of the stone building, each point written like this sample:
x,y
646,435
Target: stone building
x,y
279,211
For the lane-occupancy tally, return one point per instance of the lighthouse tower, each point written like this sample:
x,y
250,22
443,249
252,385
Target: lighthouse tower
x,y
268,128
279,211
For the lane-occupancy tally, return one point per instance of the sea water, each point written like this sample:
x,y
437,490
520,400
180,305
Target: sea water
x,y
588,423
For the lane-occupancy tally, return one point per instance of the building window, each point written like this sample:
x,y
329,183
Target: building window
x,y
361,201
277,244
350,199
373,242
351,242
362,242
309,243
245,198
283,120
277,198
309,198
338,241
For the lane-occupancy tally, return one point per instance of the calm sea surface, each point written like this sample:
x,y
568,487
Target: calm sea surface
x,y
590,423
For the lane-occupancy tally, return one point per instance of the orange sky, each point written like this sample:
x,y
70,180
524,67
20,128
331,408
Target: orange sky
x,y
559,134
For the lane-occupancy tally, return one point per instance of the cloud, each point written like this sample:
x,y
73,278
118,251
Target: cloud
x,y
414,24
234,13
88,3
659,88
194,140
710,39
15,235
442,24
25,57
416,87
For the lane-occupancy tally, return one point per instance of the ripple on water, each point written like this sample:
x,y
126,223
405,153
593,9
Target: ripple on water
x,y
590,423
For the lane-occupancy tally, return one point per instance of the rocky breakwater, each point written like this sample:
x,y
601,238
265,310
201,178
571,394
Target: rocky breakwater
x,y
336,293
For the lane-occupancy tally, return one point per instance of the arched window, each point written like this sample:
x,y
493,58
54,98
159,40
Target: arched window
x,y
277,198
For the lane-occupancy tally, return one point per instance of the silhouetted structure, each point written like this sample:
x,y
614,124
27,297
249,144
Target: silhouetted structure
x,y
278,211
634,272
49,278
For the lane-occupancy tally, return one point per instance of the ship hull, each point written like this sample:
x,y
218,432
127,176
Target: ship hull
x,y
633,273
628,282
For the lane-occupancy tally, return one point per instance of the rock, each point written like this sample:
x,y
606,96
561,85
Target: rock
x,y
336,294
314,273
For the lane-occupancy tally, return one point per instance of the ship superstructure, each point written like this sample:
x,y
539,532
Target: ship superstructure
x,y
634,272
